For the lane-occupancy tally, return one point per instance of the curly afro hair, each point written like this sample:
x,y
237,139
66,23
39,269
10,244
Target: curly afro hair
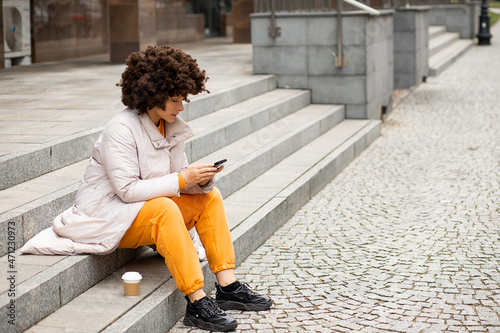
x,y
158,73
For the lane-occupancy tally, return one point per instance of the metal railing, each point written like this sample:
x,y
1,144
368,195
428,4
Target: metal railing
x,y
408,3
274,6
264,6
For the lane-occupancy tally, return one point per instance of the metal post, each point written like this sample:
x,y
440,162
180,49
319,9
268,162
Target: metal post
x,y
274,31
483,37
340,60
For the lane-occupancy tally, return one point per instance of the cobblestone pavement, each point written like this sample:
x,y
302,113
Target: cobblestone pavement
x,y
406,238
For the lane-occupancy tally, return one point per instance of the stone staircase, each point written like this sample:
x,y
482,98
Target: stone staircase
x,y
444,48
281,151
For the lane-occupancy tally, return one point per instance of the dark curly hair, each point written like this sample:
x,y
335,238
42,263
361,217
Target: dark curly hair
x,y
158,73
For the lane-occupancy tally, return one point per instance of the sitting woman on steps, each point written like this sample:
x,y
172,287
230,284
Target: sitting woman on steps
x,y
138,189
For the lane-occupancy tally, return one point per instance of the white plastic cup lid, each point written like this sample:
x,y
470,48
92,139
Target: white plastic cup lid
x,y
132,277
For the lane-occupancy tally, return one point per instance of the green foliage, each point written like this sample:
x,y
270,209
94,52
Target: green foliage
x,y
494,4
493,18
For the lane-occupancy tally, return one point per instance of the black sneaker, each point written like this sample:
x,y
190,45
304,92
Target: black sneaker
x,y
205,314
243,298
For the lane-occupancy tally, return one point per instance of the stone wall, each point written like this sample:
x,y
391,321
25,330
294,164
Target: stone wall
x,y
304,57
411,46
463,19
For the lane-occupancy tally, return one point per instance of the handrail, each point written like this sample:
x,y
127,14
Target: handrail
x,y
363,7
310,5
274,31
340,60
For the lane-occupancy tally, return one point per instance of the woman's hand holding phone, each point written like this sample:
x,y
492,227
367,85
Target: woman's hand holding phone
x,y
201,173
198,174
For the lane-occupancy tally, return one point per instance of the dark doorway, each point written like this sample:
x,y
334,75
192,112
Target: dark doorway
x,y
212,10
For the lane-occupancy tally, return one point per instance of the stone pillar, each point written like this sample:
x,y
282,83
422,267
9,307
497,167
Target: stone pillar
x,y
241,20
132,27
474,11
304,57
2,58
411,46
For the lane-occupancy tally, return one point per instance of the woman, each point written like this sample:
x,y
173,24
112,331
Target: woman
x,y
138,189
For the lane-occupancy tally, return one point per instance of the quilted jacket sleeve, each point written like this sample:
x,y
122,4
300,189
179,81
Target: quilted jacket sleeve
x,y
119,154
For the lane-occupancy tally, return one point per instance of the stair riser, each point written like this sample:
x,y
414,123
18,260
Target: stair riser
x,y
212,102
435,49
59,284
207,142
436,69
242,172
162,310
34,217
248,236
21,167
437,33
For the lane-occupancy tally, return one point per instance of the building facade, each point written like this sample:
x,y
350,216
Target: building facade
x,y
64,29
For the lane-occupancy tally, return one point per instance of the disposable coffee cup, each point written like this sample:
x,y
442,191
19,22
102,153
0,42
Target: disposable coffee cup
x,y
131,284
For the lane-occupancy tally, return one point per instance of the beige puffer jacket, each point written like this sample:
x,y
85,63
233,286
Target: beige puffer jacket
x,y
131,162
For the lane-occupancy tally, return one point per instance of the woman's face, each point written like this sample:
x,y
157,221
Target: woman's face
x,y
172,109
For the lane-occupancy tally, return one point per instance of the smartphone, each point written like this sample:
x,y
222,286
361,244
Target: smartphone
x,y
218,164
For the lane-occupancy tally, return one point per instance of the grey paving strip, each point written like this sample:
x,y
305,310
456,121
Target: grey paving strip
x,y
407,237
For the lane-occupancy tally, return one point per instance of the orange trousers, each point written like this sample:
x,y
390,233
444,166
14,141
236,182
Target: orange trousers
x,y
165,222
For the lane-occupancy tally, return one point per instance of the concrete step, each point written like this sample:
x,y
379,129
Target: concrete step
x,y
255,212
248,158
229,124
442,41
44,283
436,30
256,153
442,59
74,135
34,203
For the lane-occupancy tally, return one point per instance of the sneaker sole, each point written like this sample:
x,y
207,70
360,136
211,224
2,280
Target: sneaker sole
x,y
195,322
230,305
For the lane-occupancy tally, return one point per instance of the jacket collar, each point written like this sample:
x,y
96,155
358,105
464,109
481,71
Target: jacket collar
x,y
175,132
